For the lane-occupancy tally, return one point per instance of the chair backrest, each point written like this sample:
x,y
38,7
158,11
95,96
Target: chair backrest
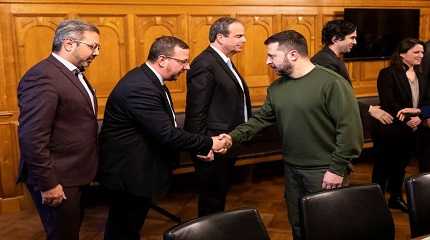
x,y
353,213
418,193
237,224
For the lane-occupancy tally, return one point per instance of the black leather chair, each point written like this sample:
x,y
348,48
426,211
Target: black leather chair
x,y
232,225
353,213
418,194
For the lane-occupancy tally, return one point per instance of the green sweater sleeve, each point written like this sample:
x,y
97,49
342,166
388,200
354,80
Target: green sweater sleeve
x,y
263,118
343,107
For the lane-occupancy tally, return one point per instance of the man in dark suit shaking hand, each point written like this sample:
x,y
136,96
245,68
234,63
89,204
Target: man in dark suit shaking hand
x,y
139,138
223,103
58,129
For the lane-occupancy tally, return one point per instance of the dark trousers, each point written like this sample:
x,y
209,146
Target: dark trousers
x,y
423,149
214,182
64,221
298,183
127,215
392,157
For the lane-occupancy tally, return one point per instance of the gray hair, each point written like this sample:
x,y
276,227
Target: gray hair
x,y
220,26
71,29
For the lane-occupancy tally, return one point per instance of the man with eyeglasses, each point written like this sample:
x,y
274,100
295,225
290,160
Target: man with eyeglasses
x,y
139,139
58,129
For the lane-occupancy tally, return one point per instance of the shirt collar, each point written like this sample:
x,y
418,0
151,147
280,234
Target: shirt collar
x,y
221,54
160,78
66,63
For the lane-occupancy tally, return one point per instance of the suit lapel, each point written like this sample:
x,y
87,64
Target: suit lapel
x,y
225,67
70,76
421,87
156,82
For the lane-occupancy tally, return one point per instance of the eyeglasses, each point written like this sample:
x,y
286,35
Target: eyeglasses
x,y
182,61
93,46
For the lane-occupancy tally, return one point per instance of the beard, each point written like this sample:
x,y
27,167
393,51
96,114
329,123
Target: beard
x,y
285,69
86,62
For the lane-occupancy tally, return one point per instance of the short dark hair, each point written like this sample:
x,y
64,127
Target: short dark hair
x,y
290,39
71,29
404,46
220,26
338,29
165,45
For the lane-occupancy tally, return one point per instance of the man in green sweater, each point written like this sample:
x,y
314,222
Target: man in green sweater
x,y
317,115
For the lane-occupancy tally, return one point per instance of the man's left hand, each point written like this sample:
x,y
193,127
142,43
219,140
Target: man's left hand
x,y
331,180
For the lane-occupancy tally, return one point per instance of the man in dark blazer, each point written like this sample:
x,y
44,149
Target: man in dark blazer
x,y
339,37
217,101
58,129
139,138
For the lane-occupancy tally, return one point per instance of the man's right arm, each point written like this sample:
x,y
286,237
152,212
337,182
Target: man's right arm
x,y
260,120
38,104
200,87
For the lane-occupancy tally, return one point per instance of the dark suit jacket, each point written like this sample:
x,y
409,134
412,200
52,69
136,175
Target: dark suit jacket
x,y
215,101
328,59
57,128
138,140
395,94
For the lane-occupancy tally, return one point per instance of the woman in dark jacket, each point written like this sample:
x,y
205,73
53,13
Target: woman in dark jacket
x,y
399,86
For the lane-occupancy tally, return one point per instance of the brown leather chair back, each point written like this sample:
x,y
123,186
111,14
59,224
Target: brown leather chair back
x,y
418,193
232,225
353,213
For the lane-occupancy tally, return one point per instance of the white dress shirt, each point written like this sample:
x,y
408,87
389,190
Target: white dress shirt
x,y
72,68
160,78
230,65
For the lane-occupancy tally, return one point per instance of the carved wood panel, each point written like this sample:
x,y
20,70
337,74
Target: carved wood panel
x,y
30,28
251,61
8,160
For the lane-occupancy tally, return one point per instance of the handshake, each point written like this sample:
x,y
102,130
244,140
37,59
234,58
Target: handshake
x,y
220,145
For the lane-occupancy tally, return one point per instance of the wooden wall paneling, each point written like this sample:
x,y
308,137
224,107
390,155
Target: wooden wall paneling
x,y
367,76
111,64
29,28
425,25
148,28
251,62
9,164
10,192
5,78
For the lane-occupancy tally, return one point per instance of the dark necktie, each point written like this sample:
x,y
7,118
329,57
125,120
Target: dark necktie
x,y
166,89
170,103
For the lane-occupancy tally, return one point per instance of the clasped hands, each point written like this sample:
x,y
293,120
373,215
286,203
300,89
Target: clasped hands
x,y
412,113
220,145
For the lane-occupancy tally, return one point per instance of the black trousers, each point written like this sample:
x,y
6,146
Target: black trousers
x,y
127,215
423,149
64,221
392,157
214,182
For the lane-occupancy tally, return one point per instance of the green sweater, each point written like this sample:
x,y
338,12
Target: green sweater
x,y
317,116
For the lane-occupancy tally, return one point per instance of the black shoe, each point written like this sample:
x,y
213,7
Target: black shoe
x,y
398,203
